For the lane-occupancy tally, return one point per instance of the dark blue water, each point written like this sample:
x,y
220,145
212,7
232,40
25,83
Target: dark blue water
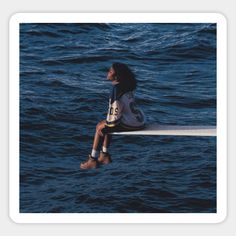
x,y
64,93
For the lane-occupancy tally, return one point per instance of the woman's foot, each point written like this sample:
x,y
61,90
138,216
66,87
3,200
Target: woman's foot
x,y
104,158
91,163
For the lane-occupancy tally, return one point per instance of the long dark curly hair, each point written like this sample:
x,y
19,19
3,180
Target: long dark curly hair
x,y
124,76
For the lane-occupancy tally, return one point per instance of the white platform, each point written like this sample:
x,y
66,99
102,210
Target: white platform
x,y
155,129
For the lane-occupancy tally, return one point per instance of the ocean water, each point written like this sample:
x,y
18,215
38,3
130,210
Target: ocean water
x,y
64,93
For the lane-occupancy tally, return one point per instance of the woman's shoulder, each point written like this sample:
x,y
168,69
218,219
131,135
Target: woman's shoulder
x,y
122,91
117,92
127,96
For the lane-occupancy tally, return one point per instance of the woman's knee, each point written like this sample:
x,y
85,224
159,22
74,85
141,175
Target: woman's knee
x,y
100,125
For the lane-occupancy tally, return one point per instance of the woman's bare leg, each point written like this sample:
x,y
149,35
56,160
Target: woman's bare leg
x,y
107,141
99,138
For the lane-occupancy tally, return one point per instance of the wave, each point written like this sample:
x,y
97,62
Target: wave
x,y
76,60
43,33
31,73
34,126
65,48
60,83
196,52
102,26
200,204
209,29
194,104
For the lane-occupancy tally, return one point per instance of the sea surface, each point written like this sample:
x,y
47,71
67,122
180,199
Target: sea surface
x,y
64,93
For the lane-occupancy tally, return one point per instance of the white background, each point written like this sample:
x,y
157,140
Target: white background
x,y
10,7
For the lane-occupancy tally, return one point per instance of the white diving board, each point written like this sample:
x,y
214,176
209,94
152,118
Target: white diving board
x,y
155,129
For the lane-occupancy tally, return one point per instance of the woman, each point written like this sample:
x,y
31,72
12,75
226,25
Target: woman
x,y
123,114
